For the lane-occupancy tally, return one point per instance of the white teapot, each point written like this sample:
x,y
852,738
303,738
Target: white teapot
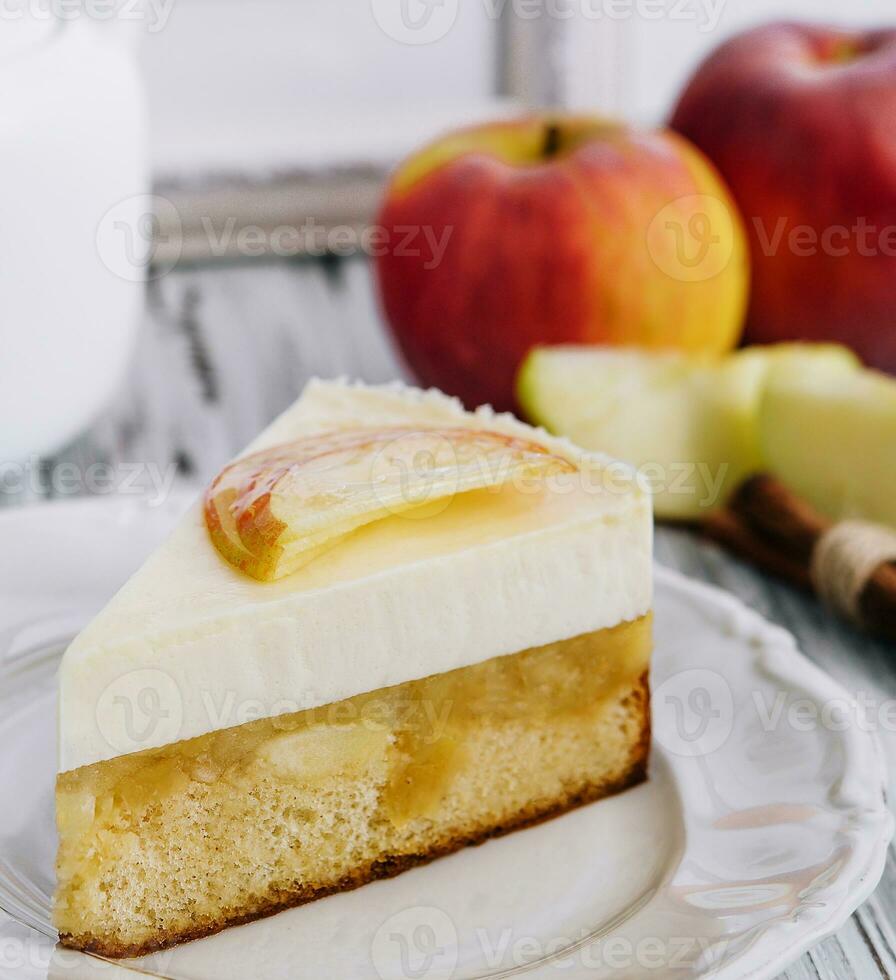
x,y
73,186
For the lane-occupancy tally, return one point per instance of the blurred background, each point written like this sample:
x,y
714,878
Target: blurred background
x,y
186,180
235,86
259,93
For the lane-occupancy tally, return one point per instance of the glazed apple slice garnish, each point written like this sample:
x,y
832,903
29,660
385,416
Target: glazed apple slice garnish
x,y
273,511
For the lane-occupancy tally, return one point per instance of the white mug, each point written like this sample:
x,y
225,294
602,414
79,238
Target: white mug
x,y
73,189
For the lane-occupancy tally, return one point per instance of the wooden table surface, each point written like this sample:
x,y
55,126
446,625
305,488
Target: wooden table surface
x,y
227,347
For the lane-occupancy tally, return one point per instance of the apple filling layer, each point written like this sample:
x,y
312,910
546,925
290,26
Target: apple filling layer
x,y
180,842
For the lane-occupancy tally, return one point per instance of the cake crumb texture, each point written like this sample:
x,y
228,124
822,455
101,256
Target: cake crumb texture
x,y
179,843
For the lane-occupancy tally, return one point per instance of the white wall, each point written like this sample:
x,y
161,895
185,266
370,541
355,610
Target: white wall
x,y
252,84
237,82
653,58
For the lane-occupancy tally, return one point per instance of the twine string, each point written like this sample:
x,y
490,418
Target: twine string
x,y
844,560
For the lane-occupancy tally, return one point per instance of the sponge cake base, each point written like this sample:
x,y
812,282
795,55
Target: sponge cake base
x,y
178,843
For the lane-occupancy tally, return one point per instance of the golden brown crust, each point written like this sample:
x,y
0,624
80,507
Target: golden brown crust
x,y
393,865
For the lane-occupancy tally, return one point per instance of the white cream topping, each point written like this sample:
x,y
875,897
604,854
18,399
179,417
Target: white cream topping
x,y
191,645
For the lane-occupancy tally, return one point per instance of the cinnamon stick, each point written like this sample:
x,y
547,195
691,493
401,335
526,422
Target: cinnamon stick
x,y
878,602
732,532
771,527
781,517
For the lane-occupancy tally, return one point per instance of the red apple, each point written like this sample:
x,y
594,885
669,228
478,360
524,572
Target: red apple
x,y
801,121
555,229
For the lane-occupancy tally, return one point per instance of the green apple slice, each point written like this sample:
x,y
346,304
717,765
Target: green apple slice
x,y
829,433
687,422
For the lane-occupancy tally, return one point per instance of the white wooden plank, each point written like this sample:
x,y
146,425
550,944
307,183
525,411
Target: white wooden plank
x,y
845,955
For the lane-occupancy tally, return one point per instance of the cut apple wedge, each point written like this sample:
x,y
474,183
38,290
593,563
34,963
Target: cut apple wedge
x,y
272,512
687,422
829,433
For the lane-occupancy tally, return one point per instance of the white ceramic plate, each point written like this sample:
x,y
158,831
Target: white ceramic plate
x,y
762,828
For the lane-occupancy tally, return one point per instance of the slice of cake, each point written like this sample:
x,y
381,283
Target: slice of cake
x,y
390,630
